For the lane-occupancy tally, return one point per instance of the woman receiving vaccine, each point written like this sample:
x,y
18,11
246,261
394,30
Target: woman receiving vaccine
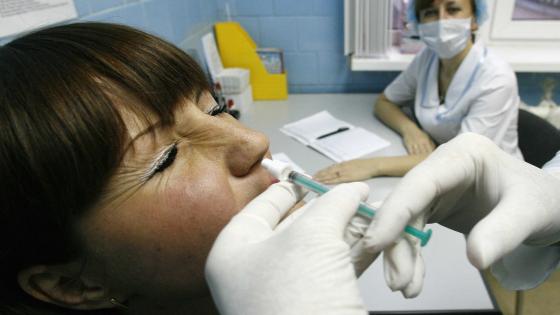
x,y
453,86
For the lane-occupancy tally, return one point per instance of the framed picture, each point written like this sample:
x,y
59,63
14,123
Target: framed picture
x,y
526,20
273,59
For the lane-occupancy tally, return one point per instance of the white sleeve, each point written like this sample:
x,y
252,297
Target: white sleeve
x,y
403,88
528,266
553,166
491,113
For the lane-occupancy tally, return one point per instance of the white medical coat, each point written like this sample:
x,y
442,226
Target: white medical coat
x,y
528,266
482,97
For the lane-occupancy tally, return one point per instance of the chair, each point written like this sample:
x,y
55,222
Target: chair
x,y
538,139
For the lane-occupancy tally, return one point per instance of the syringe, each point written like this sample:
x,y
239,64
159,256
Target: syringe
x,y
284,171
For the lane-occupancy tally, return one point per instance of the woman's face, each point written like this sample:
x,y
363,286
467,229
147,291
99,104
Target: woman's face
x,y
150,241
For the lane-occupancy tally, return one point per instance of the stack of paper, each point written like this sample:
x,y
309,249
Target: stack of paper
x,y
335,138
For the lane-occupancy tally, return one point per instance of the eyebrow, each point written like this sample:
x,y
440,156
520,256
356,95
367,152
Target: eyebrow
x,y
142,133
158,124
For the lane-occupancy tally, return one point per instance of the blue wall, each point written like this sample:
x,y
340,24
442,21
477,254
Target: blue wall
x,y
311,34
309,31
180,21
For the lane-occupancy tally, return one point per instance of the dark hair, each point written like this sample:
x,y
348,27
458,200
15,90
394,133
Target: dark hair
x,y
61,133
420,5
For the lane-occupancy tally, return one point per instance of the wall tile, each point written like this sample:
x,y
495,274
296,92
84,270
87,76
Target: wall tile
x,y
131,15
293,7
175,20
100,5
253,7
158,19
82,6
185,15
209,10
251,25
222,9
372,80
279,32
328,7
310,32
333,69
320,34
301,67
192,7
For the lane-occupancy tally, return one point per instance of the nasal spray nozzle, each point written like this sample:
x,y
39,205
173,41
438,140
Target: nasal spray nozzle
x,y
283,171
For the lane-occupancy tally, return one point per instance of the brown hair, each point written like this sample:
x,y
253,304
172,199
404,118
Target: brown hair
x,y
62,136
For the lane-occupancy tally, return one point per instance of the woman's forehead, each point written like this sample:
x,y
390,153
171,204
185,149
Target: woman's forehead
x,y
430,3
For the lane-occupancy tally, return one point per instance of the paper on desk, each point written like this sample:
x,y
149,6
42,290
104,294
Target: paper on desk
x,y
350,144
343,146
307,130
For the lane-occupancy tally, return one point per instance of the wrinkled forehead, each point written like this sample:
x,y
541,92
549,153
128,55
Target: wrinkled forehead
x,y
145,131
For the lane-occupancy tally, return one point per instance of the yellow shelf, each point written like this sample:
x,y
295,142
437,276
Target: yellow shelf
x,y
237,49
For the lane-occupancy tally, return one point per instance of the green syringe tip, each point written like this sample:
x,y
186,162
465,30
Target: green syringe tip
x,y
423,236
364,209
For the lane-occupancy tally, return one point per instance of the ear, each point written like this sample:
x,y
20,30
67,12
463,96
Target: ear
x,y
50,284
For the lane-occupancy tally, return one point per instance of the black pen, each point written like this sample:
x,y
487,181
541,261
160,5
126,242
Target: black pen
x,y
341,129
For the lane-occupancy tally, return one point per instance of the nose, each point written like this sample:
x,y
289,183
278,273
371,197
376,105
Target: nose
x,y
443,13
245,149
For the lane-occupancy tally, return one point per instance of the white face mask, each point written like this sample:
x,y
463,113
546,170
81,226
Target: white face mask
x,y
446,37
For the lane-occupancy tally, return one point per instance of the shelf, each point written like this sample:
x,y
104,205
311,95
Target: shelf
x,y
395,61
522,59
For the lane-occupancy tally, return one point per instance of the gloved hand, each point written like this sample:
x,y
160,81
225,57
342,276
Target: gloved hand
x,y
402,260
471,186
303,268
403,265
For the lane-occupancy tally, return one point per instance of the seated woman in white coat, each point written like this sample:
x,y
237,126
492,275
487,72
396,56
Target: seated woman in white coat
x,y
453,86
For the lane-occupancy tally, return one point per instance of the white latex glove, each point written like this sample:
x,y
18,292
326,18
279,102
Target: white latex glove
x,y
473,187
303,268
403,265
402,261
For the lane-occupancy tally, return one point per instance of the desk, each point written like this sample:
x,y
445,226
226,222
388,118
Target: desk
x,y
451,283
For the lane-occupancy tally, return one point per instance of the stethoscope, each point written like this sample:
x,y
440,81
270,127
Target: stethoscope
x,y
441,115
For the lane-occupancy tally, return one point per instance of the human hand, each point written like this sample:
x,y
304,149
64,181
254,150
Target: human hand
x,y
417,141
473,187
403,264
349,171
303,268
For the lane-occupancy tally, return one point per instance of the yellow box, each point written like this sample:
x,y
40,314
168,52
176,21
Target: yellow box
x,y
237,49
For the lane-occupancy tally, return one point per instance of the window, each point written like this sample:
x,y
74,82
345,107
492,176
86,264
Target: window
x,y
526,20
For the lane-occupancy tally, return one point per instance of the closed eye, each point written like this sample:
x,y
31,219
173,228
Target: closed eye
x,y
167,159
164,161
218,109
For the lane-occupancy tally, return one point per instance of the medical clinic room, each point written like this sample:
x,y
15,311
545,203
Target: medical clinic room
x,y
255,157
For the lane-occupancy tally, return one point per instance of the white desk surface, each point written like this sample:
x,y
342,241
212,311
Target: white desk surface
x,y
451,283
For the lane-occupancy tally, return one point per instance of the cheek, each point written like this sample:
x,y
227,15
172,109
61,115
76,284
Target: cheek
x,y
208,199
158,243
